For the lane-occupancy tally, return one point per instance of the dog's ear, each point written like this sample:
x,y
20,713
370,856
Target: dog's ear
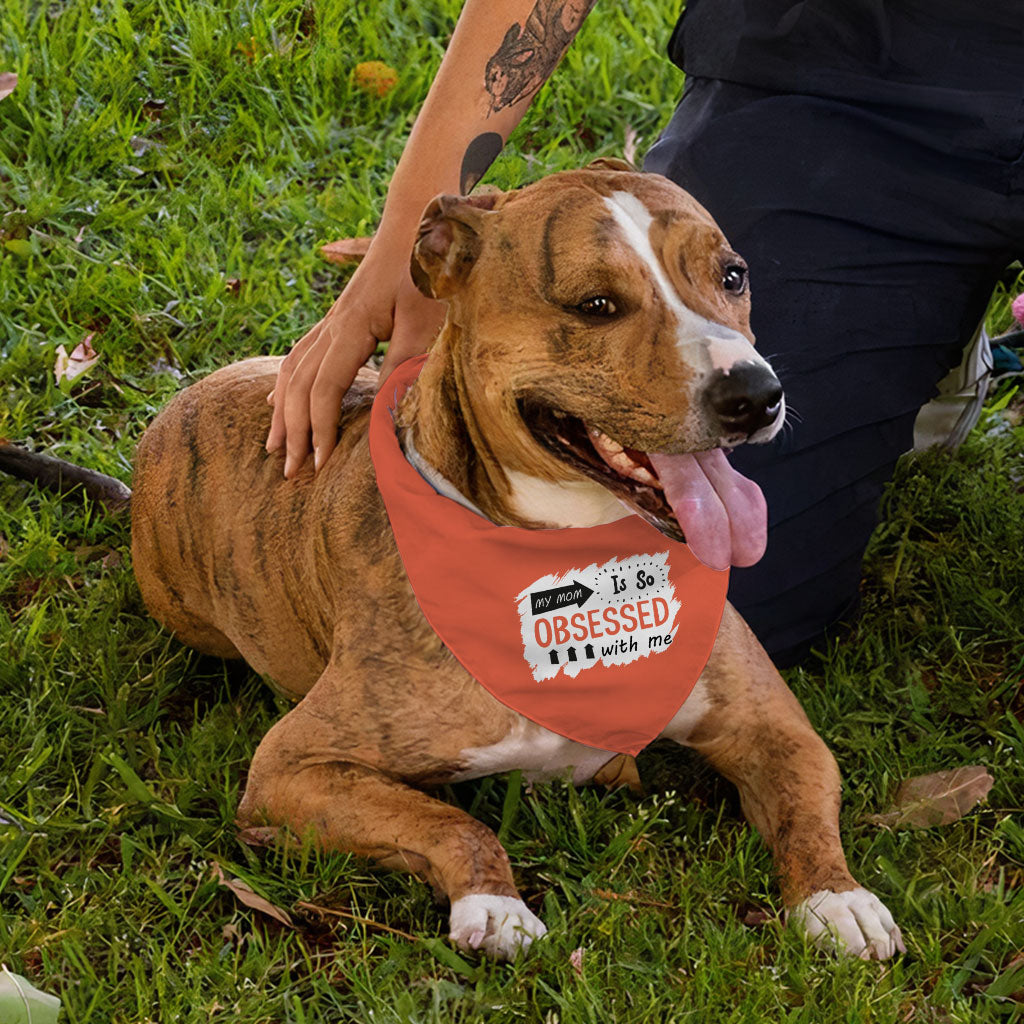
x,y
610,163
449,242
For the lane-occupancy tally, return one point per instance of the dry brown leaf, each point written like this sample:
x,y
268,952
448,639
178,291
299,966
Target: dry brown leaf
x,y
68,367
85,553
936,799
755,917
8,81
4,547
629,149
260,835
112,560
244,894
346,250
374,76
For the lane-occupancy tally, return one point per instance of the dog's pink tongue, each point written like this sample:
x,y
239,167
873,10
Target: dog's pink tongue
x,y
723,514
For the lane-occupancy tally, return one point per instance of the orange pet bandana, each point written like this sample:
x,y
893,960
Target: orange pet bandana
x,y
597,633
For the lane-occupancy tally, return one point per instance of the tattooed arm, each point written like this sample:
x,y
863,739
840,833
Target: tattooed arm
x,y
500,54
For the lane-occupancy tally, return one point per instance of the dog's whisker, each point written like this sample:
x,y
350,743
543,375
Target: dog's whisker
x,y
793,414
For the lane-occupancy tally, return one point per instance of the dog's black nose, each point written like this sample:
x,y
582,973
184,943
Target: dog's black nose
x,y
745,399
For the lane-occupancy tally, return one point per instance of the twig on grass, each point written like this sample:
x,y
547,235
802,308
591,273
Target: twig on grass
x,y
349,916
641,901
60,477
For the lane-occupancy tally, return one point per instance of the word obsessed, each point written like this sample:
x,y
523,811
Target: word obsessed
x,y
608,614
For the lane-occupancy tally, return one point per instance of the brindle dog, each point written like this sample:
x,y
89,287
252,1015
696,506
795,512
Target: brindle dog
x,y
298,576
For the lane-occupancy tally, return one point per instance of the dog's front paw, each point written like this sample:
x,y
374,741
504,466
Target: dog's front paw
x,y
499,925
855,922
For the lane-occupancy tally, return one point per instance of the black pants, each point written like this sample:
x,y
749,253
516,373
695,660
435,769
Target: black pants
x,y
874,237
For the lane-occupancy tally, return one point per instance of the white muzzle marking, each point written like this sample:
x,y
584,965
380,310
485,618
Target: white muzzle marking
x,y
704,344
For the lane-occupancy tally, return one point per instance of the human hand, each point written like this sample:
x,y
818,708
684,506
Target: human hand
x,y
380,303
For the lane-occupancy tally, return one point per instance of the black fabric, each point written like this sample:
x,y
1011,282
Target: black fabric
x,y
918,53
874,236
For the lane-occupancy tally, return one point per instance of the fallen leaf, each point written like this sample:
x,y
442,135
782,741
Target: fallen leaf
x,y
22,1003
936,799
112,560
244,894
4,547
755,917
346,250
374,76
86,553
629,150
259,835
68,367
8,81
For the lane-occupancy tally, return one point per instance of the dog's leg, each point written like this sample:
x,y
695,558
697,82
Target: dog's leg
x,y
748,724
297,780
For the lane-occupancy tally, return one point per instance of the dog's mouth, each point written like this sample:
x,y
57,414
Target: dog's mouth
x,y
697,497
626,472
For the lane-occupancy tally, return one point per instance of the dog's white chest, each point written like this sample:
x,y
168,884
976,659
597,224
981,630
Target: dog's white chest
x,y
542,754
539,753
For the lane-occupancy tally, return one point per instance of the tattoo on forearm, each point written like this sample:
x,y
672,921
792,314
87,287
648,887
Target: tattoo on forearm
x,y
480,154
529,52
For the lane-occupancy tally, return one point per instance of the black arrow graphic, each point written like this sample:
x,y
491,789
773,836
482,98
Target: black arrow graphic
x,y
554,657
559,597
571,652
589,650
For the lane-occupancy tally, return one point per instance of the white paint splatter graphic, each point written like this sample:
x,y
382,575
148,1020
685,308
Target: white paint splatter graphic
x,y
608,614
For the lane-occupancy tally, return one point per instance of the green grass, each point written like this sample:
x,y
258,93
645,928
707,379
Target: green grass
x,y
154,151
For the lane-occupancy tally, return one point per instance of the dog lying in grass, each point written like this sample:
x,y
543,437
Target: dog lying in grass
x,y
596,360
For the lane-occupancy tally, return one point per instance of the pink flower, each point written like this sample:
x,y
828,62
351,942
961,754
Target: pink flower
x,y
1018,308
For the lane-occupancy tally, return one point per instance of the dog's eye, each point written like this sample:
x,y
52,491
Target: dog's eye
x,y
734,278
597,305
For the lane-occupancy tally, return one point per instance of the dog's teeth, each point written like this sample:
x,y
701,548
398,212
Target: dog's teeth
x,y
615,455
643,475
603,443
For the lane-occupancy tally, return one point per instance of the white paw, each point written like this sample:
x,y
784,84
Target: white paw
x,y
499,925
855,922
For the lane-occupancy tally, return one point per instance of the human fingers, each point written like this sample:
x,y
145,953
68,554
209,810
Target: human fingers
x,y
276,434
295,403
417,321
334,377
